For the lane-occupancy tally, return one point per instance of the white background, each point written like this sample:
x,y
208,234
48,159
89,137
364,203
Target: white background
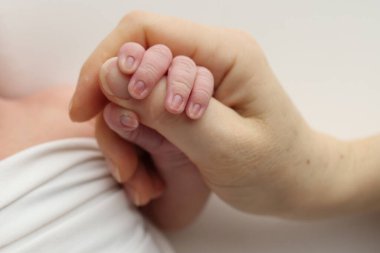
x,y
325,52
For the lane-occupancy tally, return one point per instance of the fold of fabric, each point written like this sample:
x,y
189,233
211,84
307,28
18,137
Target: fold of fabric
x,y
59,197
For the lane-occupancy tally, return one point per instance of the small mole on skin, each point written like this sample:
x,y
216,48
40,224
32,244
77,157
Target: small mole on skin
x,y
307,161
341,156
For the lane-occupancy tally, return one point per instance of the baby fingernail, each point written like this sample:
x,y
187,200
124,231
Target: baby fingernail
x,y
128,62
195,111
114,169
177,102
129,123
139,89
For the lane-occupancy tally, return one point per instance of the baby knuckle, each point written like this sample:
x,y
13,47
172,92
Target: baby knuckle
x,y
181,85
202,93
162,51
205,75
149,72
184,63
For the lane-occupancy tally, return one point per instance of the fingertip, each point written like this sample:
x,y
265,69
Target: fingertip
x,y
130,56
112,81
144,186
153,66
175,103
120,120
122,154
165,51
103,75
84,107
181,77
137,198
114,169
205,76
201,93
72,110
195,110
138,89
88,99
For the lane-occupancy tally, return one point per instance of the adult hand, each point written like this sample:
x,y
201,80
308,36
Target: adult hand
x,y
252,147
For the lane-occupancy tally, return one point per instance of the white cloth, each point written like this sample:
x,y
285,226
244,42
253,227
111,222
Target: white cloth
x,y
59,197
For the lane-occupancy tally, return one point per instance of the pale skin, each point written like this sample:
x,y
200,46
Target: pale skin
x,y
38,118
189,90
252,147
43,117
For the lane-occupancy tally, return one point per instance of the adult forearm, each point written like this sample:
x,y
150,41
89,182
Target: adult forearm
x,y
341,177
365,174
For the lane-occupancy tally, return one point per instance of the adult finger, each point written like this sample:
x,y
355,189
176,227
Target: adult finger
x,y
120,155
142,184
205,45
125,124
206,141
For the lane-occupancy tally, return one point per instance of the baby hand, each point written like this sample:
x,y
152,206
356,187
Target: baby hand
x,y
133,74
252,146
189,87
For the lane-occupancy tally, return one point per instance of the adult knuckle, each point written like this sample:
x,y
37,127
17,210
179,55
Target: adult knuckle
x,y
133,16
249,47
242,34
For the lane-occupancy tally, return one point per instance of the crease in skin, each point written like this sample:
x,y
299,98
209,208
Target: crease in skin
x,y
104,88
141,30
115,80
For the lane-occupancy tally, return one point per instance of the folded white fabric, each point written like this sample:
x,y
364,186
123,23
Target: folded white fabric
x,y
59,197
